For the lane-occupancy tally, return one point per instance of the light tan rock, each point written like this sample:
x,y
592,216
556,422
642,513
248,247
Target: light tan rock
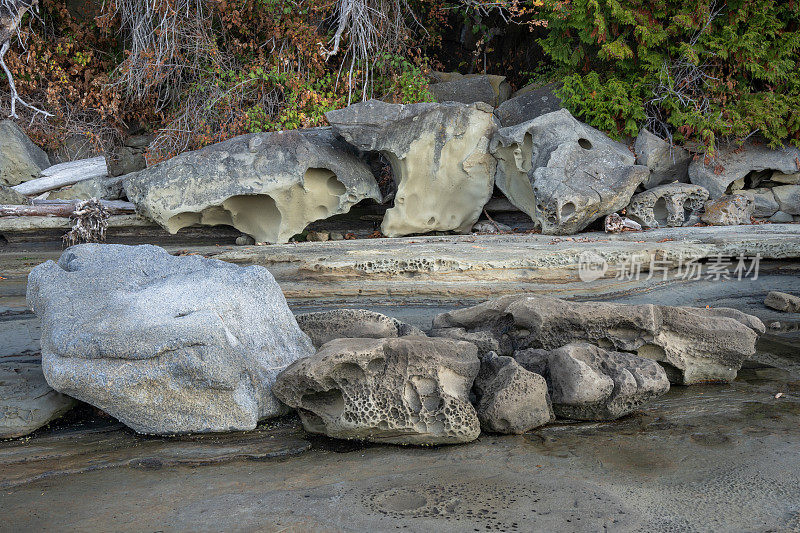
x,y
782,301
439,155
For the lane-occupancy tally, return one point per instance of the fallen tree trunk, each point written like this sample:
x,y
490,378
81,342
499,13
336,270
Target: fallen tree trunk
x,y
59,209
64,174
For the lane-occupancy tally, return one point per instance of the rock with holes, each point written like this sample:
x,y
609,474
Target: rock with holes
x,y
510,398
324,326
693,345
729,210
27,402
20,159
439,155
733,163
587,382
165,344
562,173
667,163
267,185
409,390
782,301
670,205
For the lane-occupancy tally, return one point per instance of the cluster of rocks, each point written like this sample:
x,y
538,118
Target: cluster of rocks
x,y
185,344
446,159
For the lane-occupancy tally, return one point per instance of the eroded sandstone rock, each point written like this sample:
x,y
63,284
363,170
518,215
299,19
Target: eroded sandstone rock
x,y
764,203
410,390
527,104
672,205
27,402
729,210
20,159
788,197
439,155
562,173
510,398
782,301
587,382
267,185
734,162
9,196
666,163
164,344
324,326
693,345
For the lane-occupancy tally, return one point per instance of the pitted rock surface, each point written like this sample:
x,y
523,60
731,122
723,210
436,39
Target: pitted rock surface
x,y
667,163
510,398
589,383
563,173
671,205
439,154
324,326
27,402
267,185
164,344
410,390
693,344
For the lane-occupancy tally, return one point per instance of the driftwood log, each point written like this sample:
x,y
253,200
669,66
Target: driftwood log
x,y
64,174
61,208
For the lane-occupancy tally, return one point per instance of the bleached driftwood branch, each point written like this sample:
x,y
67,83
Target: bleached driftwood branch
x,y
63,208
64,174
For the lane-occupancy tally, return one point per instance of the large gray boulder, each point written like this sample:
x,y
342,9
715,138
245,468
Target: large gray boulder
x,y
788,197
667,163
164,344
410,390
267,185
733,163
324,326
764,203
9,196
563,173
27,402
470,88
694,345
527,104
587,382
439,155
670,205
20,159
510,398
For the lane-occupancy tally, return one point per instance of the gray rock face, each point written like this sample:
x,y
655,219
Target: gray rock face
x,y
589,383
764,203
666,163
164,344
469,89
787,179
510,398
9,196
527,104
670,205
580,375
411,390
20,159
734,163
100,188
562,173
781,218
694,345
325,326
439,155
267,185
782,301
729,210
788,197
27,402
